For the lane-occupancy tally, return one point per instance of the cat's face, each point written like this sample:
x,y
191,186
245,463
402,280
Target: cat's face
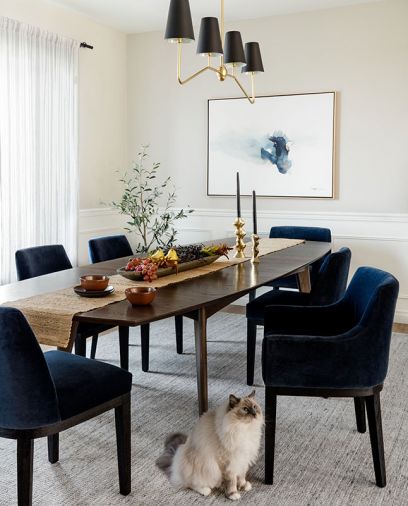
x,y
245,409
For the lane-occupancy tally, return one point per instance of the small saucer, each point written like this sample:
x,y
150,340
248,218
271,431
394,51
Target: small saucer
x,y
93,293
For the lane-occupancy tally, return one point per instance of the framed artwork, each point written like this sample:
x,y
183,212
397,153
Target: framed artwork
x,y
282,146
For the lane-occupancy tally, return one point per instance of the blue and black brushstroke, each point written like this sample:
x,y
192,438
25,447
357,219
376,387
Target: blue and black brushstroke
x,y
256,148
278,153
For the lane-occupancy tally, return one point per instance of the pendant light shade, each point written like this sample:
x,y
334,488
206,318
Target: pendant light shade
x,y
179,23
209,40
233,49
253,58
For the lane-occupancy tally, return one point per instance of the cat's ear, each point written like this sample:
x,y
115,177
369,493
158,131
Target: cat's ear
x,y
233,401
252,394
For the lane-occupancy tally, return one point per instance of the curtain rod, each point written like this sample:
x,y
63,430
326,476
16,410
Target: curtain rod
x,y
84,44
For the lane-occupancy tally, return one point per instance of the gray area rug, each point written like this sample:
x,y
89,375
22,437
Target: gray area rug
x,y
320,457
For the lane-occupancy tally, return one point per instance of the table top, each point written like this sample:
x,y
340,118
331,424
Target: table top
x,y
218,288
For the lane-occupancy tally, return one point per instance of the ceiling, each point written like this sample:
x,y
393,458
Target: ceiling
x,y
134,16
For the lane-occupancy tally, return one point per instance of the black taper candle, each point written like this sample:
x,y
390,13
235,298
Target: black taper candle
x,y
254,211
238,198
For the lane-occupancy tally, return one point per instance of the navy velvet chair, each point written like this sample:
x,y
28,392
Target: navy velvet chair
x,y
45,394
106,248
308,234
41,260
340,350
102,249
329,286
109,248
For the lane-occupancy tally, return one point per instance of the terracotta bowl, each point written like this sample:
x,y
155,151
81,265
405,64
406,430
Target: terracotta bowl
x,y
140,295
94,283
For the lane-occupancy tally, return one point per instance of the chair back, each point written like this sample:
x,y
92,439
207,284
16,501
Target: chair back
x,y
371,299
109,248
27,393
40,260
331,282
306,233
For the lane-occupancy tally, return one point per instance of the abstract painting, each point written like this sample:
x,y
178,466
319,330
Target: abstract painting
x,y
282,146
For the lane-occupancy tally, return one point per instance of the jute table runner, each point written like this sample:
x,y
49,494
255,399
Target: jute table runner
x,y
50,315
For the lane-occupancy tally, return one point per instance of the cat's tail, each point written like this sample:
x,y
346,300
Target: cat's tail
x,y
173,441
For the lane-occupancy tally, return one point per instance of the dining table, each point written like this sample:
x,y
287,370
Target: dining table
x,y
198,298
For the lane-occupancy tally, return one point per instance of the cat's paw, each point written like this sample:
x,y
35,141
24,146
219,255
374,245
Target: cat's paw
x,y
204,491
234,496
247,486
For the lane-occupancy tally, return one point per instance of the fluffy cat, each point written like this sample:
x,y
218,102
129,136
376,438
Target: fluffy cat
x,y
219,450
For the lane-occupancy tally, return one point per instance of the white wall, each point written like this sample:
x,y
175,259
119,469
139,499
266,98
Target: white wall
x,y
359,51
102,93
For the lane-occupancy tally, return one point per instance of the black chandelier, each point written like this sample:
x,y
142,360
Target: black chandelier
x,y
232,56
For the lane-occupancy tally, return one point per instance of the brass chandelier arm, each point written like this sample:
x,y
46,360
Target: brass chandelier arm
x,y
251,97
221,75
196,74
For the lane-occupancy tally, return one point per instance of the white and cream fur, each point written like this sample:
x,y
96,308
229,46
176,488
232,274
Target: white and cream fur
x,y
219,451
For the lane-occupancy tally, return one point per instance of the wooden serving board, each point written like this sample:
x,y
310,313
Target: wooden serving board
x,y
166,271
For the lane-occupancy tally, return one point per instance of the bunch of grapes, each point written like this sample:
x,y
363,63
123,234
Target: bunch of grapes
x,y
189,253
145,266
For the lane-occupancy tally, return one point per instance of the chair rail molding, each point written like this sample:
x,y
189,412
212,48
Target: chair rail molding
x,y
376,239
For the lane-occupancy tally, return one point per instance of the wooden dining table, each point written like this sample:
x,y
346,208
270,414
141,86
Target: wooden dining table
x,y
197,298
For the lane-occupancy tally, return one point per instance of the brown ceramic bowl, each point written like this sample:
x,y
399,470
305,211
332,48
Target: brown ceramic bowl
x,y
140,295
94,283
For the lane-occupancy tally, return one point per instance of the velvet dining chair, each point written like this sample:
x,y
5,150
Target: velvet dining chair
x,y
339,350
111,247
41,260
329,286
308,234
43,394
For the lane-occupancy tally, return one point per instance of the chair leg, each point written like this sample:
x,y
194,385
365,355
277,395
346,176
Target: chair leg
x,y
124,347
252,295
178,320
123,440
94,345
145,340
359,408
251,349
80,346
25,455
53,448
373,406
270,429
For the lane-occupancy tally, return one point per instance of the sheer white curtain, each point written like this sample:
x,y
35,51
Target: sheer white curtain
x,y
38,142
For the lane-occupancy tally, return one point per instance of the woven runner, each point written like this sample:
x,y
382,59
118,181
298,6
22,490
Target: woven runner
x,y
50,315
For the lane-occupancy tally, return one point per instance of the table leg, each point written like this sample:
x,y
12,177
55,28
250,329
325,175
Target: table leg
x,y
304,283
124,347
200,331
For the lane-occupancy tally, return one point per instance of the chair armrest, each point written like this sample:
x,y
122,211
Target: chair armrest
x,y
308,320
349,360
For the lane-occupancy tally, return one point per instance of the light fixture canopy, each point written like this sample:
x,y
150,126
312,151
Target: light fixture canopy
x,y
253,56
234,49
179,26
232,55
209,40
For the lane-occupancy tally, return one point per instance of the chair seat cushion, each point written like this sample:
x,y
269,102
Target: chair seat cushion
x,y
82,384
256,308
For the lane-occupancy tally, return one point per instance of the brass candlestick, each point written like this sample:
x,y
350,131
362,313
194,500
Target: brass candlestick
x,y
240,234
255,249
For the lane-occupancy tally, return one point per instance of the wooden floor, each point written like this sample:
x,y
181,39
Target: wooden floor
x,y
401,328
